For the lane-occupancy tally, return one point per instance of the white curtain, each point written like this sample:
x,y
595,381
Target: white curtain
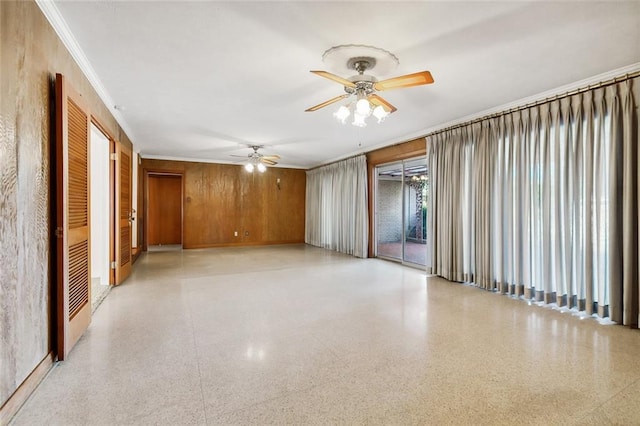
x,y
543,202
337,215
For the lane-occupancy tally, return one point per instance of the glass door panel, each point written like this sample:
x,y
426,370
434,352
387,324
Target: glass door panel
x,y
415,211
389,211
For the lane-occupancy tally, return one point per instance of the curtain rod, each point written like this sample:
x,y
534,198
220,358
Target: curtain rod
x,y
367,152
589,87
337,161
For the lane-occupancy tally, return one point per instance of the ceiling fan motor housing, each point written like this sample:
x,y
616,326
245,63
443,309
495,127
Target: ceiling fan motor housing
x,y
361,63
364,82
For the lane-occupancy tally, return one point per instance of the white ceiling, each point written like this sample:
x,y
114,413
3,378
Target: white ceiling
x,y
197,80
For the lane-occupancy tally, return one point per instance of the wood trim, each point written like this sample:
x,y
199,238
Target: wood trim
x,y
145,197
112,211
140,205
393,153
135,254
20,396
165,205
60,132
96,122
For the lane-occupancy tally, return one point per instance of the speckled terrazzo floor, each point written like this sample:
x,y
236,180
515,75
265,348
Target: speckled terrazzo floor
x,y
301,335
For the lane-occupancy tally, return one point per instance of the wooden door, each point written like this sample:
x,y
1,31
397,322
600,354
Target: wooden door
x,y
164,209
73,274
123,212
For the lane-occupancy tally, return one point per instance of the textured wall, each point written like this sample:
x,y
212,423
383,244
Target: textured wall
x,y
30,55
221,198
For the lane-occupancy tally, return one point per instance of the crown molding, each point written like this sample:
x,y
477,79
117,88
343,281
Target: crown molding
x,y
51,12
204,160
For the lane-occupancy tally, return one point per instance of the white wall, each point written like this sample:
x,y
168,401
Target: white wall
x,y
99,206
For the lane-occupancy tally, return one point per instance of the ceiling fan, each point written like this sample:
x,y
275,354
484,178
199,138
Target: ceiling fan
x,y
364,87
257,160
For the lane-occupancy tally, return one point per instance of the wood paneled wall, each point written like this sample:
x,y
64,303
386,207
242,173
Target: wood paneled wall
x,y
220,199
402,151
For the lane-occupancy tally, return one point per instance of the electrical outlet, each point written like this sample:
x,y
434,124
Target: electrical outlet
x,y
246,233
235,233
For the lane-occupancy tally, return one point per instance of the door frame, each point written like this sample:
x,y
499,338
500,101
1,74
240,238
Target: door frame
x,y
112,195
145,205
376,191
374,231
114,216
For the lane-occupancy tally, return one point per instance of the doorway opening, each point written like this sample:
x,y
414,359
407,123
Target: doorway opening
x,y
401,197
164,212
100,208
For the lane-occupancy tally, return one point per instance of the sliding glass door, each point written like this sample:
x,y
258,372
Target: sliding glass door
x,y
401,213
389,211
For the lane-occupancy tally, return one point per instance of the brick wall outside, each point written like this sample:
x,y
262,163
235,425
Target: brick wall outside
x,y
389,210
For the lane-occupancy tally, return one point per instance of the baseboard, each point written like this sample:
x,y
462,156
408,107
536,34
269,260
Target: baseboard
x,y
20,396
135,254
258,243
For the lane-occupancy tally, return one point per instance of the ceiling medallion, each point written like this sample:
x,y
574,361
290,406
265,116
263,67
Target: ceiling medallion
x,y
340,58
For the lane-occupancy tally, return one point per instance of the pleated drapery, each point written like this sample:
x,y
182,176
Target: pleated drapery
x,y
543,202
337,215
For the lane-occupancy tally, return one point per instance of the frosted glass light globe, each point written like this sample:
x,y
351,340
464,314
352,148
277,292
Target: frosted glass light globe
x,y
380,113
342,113
363,108
358,120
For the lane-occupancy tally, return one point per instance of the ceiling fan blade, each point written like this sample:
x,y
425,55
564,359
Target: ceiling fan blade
x,y
324,104
377,100
271,157
409,80
335,78
239,156
269,162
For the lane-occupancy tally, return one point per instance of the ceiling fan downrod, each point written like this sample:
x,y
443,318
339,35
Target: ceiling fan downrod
x,y
361,64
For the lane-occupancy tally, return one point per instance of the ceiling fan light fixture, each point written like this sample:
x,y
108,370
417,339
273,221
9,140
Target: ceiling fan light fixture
x,y
363,107
358,120
380,113
258,161
342,114
363,86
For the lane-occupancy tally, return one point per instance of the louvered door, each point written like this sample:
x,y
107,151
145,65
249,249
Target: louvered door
x,y
123,212
73,295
